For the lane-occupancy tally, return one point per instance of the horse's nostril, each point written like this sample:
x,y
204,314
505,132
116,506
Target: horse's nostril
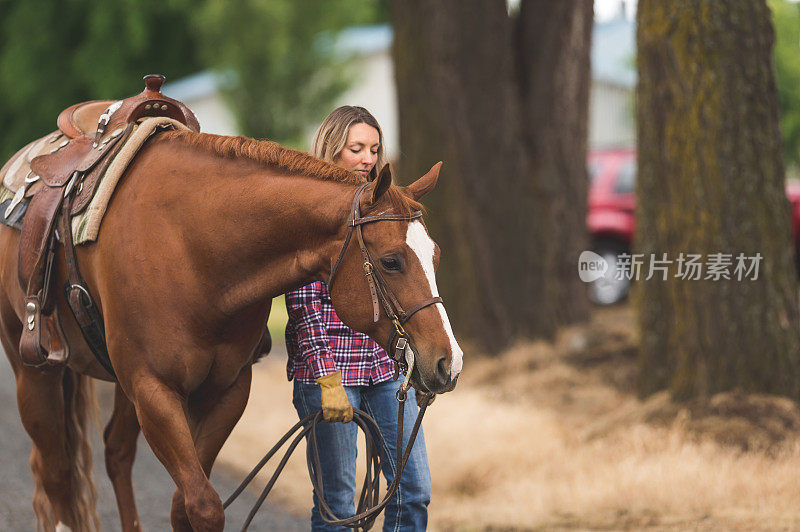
x,y
442,372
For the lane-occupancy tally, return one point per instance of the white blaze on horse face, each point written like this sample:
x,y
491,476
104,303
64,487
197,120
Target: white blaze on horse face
x,y
61,527
419,241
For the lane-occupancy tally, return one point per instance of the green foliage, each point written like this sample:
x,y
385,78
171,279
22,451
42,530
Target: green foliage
x,y
55,53
786,19
287,73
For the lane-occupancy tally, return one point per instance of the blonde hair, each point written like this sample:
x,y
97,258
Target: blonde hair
x,y
331,137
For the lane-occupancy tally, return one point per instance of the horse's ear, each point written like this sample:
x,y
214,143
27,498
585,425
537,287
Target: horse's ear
x,y
381,183
424,184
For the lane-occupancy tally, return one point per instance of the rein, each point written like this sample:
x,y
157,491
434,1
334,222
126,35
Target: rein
x,y
369,503
402,352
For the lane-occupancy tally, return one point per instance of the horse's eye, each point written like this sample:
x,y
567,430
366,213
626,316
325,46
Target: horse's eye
x,y
391,264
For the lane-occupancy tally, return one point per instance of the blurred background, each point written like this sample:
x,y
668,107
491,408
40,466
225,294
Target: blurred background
x,y
621,127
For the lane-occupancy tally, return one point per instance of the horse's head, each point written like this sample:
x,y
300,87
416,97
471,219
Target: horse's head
x,y
395,297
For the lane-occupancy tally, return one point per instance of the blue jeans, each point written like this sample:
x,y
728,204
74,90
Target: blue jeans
x,y
408,509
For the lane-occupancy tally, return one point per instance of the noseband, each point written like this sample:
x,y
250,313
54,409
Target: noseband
x,y
399,341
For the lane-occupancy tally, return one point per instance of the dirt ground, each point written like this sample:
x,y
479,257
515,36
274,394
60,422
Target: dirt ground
x,y
552,436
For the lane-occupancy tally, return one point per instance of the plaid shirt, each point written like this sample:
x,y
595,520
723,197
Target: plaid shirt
x,y
318,342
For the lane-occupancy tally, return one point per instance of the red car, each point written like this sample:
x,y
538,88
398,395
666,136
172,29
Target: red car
x,y
611,222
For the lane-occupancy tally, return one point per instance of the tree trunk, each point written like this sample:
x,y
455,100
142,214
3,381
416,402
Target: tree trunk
x,y
711,180
553,72
457,74
455,89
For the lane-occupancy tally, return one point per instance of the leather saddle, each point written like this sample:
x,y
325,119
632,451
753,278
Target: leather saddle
x,y
81,119
94,132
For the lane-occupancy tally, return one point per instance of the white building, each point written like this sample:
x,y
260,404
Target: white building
x,y
611,121
201,93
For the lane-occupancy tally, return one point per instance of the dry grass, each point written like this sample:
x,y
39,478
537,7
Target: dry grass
x,y
549,436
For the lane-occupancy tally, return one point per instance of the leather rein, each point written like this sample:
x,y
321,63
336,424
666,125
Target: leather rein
x,y
400,349
399,345
370,505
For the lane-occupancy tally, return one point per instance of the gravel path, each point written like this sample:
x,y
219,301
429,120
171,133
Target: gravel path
x,y
152,484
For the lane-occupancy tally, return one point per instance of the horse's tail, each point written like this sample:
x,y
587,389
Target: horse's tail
x,y
80,413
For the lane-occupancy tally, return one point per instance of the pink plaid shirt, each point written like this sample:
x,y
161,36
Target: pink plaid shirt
x,y
318,342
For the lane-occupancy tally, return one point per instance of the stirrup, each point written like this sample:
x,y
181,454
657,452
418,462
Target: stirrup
x,y
40,330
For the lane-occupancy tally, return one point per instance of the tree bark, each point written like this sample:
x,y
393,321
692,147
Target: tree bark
x,y
553,73
711,180
458,78
455,90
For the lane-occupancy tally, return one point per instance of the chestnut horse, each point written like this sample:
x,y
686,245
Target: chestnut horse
x,y
201,233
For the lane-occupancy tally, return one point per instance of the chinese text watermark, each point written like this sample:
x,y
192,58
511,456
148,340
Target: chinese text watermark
x,y
686,266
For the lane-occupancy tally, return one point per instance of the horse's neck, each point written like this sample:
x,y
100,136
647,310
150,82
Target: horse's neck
x,y
271,232
305,220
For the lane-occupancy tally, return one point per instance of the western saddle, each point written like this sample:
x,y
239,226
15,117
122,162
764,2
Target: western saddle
x,y
95,132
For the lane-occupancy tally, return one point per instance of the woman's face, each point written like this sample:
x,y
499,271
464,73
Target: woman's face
x,y
360,152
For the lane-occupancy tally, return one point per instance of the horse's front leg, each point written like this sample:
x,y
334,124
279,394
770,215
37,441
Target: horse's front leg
x,y
161,414
214,414
120,446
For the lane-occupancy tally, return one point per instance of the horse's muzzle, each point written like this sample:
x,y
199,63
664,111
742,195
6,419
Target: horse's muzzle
x,y
439,381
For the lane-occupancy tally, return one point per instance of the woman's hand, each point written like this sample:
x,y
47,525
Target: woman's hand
x,y
335,405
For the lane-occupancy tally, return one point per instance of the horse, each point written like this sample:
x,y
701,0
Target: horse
x,y
202,232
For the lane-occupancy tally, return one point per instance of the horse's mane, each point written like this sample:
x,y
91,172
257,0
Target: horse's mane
x,y
292,162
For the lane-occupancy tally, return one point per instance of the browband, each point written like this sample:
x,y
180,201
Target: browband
x,y
380,217
378,287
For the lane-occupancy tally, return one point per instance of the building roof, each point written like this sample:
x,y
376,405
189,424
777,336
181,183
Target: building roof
x,y
364,40
614,52
198,85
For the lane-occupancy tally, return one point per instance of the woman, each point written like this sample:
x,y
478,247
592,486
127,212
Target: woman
x,y
336,368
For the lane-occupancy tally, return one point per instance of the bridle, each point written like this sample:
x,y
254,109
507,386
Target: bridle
x,y
402,352
399,346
